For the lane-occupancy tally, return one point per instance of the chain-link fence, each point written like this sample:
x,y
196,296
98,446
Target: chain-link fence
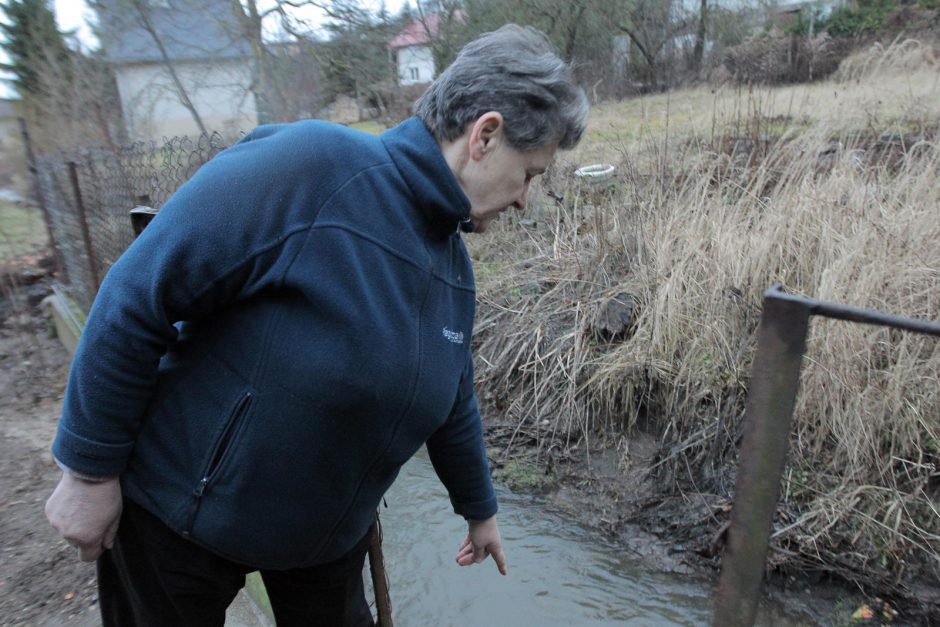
x,y
88,196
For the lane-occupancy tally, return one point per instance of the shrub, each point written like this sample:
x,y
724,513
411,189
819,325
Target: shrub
x,y
867,18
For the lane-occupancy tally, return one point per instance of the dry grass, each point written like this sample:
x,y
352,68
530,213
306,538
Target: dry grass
x,y
829,188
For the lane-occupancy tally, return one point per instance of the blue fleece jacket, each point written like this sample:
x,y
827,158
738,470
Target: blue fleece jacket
x,y
326,304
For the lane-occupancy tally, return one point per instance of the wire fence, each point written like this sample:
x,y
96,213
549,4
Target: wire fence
x,y
87,196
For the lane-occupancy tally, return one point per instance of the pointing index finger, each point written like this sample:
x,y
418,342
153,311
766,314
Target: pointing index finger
x,y
500,558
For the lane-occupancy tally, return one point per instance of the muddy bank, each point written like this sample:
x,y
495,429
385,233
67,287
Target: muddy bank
x,y
613,487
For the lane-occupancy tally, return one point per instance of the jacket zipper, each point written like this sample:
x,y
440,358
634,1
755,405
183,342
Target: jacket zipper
x,y
222,446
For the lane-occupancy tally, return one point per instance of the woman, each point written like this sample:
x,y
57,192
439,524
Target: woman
x,y
288,331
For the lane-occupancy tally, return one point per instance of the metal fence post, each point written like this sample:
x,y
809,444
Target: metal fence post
x,y
83,222
781,342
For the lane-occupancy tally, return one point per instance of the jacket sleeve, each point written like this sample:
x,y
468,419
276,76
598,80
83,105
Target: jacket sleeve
x,y
458,453
220,238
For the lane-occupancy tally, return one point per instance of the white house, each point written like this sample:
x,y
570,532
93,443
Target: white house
x,y
178,50
412,47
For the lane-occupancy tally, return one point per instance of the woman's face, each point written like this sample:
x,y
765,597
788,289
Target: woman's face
x,y
494,175
502,181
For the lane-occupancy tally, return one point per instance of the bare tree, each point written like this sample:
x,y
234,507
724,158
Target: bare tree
x,y
561,20
649,26
142,10
355,55
444,22
700,34
586,32
281,70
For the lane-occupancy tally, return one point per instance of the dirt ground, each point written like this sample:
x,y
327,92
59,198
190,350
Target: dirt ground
x,y
43,582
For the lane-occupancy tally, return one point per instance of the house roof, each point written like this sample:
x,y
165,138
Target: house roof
x,y
188,30
418,32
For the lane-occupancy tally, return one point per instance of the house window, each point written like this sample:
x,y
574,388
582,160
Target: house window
x,y
413,71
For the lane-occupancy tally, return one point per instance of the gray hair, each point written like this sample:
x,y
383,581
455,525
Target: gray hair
x,y
516,72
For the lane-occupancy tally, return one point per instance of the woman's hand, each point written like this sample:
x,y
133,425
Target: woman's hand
x,y
86,513
482,539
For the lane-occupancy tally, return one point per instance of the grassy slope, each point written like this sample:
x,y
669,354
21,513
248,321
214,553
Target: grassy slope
x,y
21,231
829,188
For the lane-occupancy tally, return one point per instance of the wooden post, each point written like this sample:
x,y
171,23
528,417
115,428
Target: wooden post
x,y
383,603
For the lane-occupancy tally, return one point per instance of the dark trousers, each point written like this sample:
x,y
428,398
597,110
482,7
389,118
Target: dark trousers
x,y
153,577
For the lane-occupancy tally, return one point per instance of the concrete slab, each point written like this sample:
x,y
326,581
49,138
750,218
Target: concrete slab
x,y
244,613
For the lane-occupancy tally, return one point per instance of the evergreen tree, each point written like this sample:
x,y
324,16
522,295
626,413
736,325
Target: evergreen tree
x,y
69,98
33,44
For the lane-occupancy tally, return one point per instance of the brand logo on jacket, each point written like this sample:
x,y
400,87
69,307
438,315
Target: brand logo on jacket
x,y
453,336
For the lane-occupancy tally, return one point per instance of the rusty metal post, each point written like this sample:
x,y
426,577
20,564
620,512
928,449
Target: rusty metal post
x,y
383,602
781,342
83,222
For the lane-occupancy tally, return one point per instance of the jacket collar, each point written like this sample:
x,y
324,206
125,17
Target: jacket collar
x,y
421,163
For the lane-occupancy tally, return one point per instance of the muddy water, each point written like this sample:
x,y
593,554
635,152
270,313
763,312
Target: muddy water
x,y
559,573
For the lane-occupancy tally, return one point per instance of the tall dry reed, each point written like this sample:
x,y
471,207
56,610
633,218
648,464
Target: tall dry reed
x,y
831,189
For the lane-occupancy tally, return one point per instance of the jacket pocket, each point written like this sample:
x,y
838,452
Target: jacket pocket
x,y
219,452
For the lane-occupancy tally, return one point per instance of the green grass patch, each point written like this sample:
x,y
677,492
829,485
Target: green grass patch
x,y
523,476
21,231
369,126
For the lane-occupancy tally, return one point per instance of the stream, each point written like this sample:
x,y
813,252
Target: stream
x,y
559,572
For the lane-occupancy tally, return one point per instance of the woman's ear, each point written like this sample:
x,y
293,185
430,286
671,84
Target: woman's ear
x,y
485,134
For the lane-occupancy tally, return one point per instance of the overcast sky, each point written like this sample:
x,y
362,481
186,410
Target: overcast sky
x,y
71,14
